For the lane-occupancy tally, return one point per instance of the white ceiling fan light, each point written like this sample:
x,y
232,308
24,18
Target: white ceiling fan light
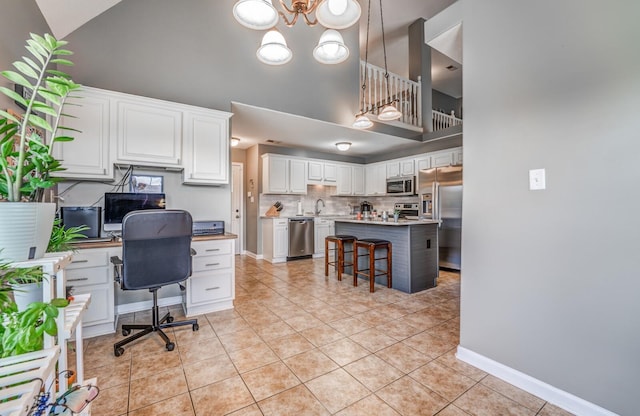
x,y
343,146
338,14
256,14
331,49
274,50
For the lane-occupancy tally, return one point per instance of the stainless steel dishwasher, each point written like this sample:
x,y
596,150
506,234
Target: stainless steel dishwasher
x,y
300,237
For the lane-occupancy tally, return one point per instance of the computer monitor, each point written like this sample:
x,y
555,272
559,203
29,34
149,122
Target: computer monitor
x,y
117,205
78,216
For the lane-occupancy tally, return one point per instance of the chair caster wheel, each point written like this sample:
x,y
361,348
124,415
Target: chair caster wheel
x,y
118,351
195,327
126,332
170,319
170,346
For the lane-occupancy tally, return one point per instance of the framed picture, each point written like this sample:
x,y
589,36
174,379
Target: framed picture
x,y
146,184
30,129
26,94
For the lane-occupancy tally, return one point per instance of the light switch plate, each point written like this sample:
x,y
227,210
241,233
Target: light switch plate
x,y
537,179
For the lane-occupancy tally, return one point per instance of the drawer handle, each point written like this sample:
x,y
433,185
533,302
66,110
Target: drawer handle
x,y
78,279
80,261
212,264
212,249
213,288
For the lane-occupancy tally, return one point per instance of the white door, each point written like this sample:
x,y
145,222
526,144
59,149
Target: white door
x,y
237,212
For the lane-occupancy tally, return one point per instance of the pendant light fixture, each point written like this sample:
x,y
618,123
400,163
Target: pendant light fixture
x,y
389,112
332,14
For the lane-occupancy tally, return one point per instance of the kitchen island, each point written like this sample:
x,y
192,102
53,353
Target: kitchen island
x,y
415,250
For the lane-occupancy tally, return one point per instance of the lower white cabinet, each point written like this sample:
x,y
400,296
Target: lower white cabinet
x,y
90,271
275,239
323,228
211,286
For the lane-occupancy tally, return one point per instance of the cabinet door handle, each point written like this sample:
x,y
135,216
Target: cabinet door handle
x,y
212,264
212,249
78,279
213,288
80,261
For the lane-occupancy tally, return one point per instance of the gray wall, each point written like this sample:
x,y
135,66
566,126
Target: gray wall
x,y
550,278
18,19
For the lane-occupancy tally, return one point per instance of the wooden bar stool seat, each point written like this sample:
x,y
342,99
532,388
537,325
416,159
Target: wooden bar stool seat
x,y
371,245
338,248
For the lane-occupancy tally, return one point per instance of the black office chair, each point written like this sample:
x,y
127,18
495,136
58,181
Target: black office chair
x,y
156,251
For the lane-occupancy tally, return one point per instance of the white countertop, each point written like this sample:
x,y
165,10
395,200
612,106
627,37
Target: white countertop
x,y
400,222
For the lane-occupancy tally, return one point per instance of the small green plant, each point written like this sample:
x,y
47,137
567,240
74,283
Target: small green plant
x,y
26,160
61,238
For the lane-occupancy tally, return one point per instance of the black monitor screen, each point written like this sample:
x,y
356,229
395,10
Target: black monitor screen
x,y
117,205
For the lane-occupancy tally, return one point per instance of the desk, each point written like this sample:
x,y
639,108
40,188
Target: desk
x,y
210,288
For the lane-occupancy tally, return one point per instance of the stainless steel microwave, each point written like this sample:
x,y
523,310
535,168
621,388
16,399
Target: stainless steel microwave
x,y
402,185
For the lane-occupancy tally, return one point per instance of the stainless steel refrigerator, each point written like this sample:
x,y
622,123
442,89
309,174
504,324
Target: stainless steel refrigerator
x,y
440,191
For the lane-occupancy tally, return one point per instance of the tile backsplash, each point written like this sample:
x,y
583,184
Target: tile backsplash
x,y
335,205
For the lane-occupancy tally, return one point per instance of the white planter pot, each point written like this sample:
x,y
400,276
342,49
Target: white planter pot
x,y
25,229
24,294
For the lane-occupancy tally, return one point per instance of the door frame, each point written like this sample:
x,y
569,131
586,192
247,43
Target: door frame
x,y
238,186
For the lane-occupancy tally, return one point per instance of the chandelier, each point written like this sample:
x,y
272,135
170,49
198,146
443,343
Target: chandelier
x,y
389,112
332,14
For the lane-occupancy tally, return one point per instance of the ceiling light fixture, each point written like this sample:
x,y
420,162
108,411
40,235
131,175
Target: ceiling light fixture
x,y
389,111
343,146
235,141
332,14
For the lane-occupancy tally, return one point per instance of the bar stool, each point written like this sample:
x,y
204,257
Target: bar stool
x,y
371,245
339,242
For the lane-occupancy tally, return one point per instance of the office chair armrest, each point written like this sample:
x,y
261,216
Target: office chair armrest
x,y
193,252
117,263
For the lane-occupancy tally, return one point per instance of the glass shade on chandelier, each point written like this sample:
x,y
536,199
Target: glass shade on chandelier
x,y
256,14
389,112
331,48
274,49
333,14
338,14
362,122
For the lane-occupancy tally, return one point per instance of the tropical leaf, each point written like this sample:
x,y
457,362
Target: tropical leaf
x,y
26,69
17,78
61,61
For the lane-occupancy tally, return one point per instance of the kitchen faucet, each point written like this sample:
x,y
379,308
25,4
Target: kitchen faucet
x,y
317,210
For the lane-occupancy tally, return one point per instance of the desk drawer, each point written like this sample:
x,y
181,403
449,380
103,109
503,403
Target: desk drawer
x,y
209,248
205,288
211,263
88,276
88,259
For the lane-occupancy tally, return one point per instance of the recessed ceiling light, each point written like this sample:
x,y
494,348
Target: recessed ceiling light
x,y
235,141
343,146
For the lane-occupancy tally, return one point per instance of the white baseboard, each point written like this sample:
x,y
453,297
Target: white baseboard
x,y
147,304
547,392
253,255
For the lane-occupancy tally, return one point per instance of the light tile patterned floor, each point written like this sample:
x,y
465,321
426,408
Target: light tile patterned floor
x,y
298,343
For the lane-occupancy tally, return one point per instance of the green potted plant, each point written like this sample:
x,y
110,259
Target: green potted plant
x,y
26,160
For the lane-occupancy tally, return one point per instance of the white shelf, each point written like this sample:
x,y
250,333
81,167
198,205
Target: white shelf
x,y
34,369
73,314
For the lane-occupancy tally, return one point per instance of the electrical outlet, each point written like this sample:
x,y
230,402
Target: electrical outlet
x,y
537,180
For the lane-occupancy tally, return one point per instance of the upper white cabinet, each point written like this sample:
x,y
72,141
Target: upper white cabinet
x,y
321,173
375,179
148,132
457,156
403,167
88,156
350,180
442,159
283,175
206,147
423,163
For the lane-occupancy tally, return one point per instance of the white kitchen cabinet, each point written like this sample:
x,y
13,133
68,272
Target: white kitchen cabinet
x,y
358,180
283,175
91,271
323,227
206,147
442,159
402,167
211,286
423,163
457,156
350,180
321,173
89,155
275,239
376,179
148,132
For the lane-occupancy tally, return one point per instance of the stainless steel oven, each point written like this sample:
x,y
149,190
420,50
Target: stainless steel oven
x,y
402,185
